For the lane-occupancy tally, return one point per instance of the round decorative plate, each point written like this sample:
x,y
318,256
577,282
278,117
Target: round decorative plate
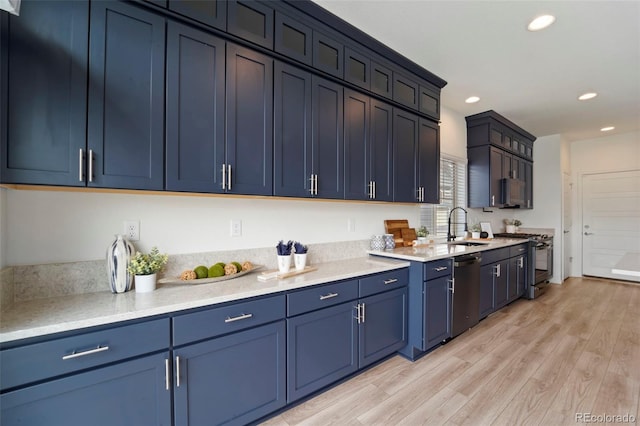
x,y
209,280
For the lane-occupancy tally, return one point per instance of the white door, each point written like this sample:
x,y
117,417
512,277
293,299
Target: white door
x,y
610,221
566,225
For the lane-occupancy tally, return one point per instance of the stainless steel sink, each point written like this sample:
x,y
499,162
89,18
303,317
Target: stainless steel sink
x,y
467,243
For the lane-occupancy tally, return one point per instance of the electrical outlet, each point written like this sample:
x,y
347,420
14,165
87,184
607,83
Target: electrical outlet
x,y
132,230
236,228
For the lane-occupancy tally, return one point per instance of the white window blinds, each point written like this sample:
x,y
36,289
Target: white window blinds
x,y
453,193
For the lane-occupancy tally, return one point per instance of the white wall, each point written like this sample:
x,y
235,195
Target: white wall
x,y
453,133
52,226
614,153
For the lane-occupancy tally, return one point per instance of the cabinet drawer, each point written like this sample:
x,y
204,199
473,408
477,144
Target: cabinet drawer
x,y
492,256
43,360
518,250
217,321
437,268
321,296
383,282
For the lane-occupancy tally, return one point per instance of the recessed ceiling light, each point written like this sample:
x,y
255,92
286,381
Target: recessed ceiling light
x,y
606,129
586,96
472,99
541,22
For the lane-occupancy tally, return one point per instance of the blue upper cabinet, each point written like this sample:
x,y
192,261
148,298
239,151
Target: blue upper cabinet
x,y
405,91
357,69
293,39
327,139
380,160
381,80
405,140
328,55
195,110
292,131
357,119
210,12
43,93
126,97
428,162
248,166
252,21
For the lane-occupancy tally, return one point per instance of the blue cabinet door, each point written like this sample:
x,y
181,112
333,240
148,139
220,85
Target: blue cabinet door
x,y
486,304
43,93
380,150
210,12
405,139
501,283
357,185
327,138
235,379
125,134
292,131
383,330
517,277
129,393
195,110
322,347
428,162
249,126
437,311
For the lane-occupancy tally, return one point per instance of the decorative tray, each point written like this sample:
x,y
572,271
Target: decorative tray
x,y
209,280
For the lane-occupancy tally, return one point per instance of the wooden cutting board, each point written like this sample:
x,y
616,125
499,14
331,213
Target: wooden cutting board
x,y
395,227
408,236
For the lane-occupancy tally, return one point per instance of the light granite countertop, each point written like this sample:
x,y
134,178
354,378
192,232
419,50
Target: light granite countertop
x,y
429,252
73,312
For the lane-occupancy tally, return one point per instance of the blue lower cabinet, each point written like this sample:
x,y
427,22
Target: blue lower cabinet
x,y
322,347
487,300
129,393
234,379
501,286
437,306
383,325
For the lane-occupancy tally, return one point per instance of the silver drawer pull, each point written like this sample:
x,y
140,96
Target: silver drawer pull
x,y
391,281
75,354
329,296
441,268
238,318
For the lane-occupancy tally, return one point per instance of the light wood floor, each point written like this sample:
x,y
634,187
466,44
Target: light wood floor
x,y
574,350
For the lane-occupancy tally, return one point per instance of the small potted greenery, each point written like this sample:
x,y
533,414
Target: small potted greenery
x,y
517,224
422,233
475,230
145,267
510,226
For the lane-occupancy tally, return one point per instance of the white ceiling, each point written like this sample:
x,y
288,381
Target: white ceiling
x,y
482,48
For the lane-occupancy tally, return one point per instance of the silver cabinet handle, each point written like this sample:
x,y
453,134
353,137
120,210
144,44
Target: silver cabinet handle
x,y
441,268
374,190
391,281
316,185
452,288
329,296
422,194
229,178
224,176
370,192
166,373
588,233
81,165
358,317
311,184
493,200
75,354
498,270
90,165
238,318
364,310
177,371
521,262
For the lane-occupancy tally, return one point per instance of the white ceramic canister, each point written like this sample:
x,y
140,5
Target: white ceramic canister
x,y
377,242
389,242
119,254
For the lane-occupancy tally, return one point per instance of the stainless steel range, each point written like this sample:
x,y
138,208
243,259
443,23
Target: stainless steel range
x,y
539,261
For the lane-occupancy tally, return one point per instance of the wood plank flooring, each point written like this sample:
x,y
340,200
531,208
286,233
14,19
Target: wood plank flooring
x,y
574,350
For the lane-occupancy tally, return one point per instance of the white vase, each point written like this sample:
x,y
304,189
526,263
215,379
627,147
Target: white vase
x,y
119,254
475,235
511,229
284,263
145,283
300,261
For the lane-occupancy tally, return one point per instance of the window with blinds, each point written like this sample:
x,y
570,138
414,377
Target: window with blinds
x,y
453,193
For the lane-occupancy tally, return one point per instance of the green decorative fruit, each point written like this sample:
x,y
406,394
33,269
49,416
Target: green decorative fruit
x,y
221,264
238,266
201,271
216,271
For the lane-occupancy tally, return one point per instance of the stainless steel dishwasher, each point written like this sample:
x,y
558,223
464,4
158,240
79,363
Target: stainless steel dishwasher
x,y
466,293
